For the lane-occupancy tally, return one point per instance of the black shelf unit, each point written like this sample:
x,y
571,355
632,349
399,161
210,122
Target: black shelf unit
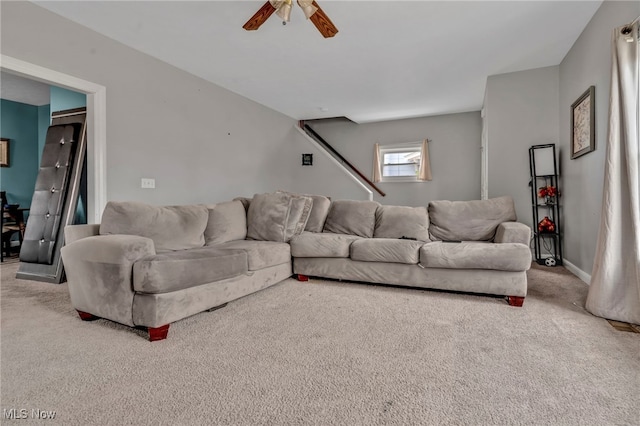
x,y
543,170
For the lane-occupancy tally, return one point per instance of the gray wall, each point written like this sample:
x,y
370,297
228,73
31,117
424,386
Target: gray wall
x,y
324,177
533,107
200,142
454,152
166,124
521,109
588,63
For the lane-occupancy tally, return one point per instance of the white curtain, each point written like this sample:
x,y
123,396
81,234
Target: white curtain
x,y
377,167
424,172
614,292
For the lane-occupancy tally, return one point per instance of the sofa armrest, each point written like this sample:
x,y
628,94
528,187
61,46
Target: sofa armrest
x,y
99,271
76,232
513,232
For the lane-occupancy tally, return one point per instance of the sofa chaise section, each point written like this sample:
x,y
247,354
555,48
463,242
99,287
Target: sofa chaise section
x,y
148,266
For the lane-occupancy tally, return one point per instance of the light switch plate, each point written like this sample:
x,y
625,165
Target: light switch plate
x,y
148,183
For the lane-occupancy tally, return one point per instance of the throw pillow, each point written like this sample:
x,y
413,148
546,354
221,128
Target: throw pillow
x,y
277,216
319,211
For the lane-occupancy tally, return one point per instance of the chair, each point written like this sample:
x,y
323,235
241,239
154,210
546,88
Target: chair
x,y
10,225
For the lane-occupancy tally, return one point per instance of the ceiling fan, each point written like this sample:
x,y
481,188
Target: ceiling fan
x,y
283,9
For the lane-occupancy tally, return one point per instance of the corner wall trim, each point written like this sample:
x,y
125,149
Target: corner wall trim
x,y
96,125
577,271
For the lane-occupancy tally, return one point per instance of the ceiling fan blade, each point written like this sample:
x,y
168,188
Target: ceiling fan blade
x,y
323,23
260,17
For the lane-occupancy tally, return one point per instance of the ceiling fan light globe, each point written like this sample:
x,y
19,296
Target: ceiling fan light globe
x,y
284,12
307,7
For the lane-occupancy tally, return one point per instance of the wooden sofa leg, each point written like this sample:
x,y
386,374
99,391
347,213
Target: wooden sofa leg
x,y
85,316
515,300
158,333
301,277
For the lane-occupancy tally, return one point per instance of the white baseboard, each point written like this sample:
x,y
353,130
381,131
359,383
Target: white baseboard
x,y
577,271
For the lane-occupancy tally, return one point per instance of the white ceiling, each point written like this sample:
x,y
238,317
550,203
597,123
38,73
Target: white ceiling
x,y
18,89
390,60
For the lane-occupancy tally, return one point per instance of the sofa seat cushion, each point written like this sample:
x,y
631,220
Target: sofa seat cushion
x,y
177,270
309,244
170,228
402,221
476,255
475,220
386,250
260,254
352,217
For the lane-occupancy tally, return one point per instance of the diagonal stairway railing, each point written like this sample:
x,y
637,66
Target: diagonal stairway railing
x,y
313,134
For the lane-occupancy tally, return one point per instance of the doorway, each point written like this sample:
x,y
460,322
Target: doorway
x,y
96,125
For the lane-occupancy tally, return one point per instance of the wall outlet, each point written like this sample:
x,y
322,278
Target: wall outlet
x,y
148,183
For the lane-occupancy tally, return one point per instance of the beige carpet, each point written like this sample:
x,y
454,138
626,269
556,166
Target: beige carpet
x,y
325,353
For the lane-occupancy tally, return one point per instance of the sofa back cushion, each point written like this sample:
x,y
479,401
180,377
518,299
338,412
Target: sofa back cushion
x,y
227,222
245,202
469,220
352,217
319,212
277,216
170,228
402,221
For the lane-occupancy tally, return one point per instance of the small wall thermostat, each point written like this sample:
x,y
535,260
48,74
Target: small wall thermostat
x,y
307,159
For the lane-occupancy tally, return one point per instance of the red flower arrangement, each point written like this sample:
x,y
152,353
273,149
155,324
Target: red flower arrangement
x,y
546,225
547,191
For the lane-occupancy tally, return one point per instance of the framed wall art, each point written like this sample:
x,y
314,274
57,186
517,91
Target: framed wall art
x,y
4,152
583,124
307,159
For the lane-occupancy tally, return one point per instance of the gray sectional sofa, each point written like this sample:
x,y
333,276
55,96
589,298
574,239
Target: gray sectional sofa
x,y
148,266
471,246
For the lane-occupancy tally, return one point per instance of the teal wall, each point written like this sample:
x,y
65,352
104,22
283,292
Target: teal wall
x,y
59,100
62,99
19,123
44,120
26,127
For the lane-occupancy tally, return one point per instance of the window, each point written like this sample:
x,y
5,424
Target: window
x,y
400,163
